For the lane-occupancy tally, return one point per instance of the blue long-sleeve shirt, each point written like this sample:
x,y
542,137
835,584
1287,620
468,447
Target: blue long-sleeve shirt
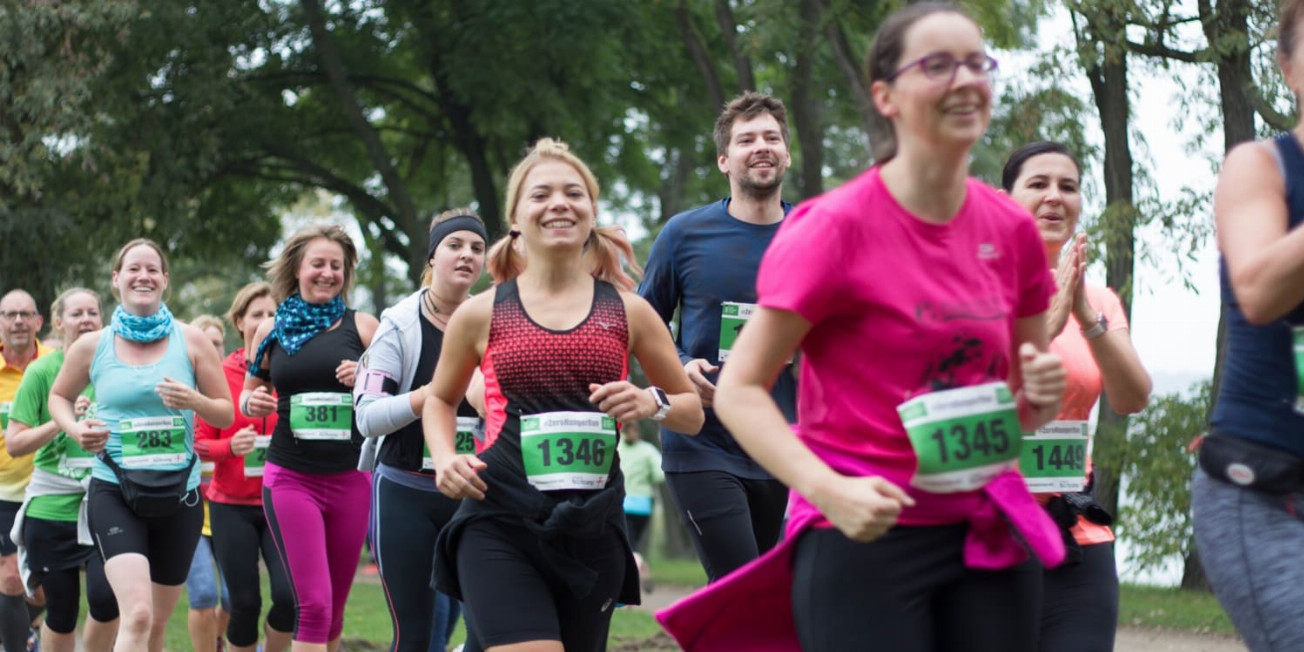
x,y
702,259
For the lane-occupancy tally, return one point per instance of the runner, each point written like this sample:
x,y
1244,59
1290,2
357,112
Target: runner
x,y
407,511
235,497
917,296
152,375
1247,498
314,497
732,508
54,542
539,554
20,321
210,603
1090,335
640,461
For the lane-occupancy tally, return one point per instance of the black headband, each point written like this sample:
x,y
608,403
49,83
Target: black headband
x,y
452,225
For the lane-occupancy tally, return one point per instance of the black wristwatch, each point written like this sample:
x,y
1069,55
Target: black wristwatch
x,y
663,403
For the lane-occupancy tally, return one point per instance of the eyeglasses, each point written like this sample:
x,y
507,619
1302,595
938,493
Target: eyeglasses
x,y
15,315
942,66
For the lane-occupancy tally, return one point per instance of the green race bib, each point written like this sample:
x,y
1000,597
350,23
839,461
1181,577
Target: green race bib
x,y
153,441
322,416
4,415
464,445
733,316
1297,341
567,450
962,437
75,460
1055,457
256,459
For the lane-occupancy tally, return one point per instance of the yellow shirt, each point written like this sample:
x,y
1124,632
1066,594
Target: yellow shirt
x,y
15,472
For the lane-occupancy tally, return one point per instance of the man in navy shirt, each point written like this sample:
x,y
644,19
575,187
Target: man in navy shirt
x,y
704,264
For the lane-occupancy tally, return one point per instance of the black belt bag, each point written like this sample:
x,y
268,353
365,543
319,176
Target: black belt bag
x,y
1254,466
150,493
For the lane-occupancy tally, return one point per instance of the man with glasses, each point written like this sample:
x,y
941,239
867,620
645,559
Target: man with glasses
x,y
704,265
20,321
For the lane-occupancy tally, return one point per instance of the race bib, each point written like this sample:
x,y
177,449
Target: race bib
x,y
75,460
962,437
206,470
733,316
4,415
153,441
464,445
1297,342
568,450
256,459
1055,457
322,416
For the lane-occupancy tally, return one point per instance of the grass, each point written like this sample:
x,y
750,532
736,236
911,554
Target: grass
x,y
1171,608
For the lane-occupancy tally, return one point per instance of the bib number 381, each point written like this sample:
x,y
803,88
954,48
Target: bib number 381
x,y
962,437
567,450
322,415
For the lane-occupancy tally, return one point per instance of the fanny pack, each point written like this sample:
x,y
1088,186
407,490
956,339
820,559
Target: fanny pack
x,y
151,493
1254,466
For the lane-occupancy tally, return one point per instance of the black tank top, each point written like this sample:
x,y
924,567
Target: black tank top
x,y
530,369
312,371
405,448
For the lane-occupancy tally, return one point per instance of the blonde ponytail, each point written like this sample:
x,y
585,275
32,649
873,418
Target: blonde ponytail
x,y
611,252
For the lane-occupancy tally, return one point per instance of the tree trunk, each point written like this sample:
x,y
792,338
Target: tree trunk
x,y
1109,85
806,105
849,64
701,57
729,28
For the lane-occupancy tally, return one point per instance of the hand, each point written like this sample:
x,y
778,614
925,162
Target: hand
x,y
90,434
243,441
81,406
459,477
697,370
1068,281
260,403
1043,379
346,372
1082,310
863,508
177,395
623,400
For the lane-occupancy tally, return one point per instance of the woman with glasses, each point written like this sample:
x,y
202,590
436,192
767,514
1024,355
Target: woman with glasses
x,y
910,524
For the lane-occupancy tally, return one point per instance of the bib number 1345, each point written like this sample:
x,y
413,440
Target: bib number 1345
x,y
962,437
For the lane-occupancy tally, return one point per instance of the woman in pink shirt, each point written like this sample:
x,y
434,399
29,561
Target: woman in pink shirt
x,y
1089,332
917,296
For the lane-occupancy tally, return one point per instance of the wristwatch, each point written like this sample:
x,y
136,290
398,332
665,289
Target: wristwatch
x,y
663,403
1097,329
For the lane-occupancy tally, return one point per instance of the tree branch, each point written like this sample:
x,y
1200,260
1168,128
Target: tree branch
x,y
693,40
729,28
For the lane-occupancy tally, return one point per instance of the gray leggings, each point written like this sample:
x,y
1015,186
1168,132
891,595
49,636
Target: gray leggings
x,y
1249,544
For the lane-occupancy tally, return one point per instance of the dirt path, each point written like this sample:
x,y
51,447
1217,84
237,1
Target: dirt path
x,y
1130,639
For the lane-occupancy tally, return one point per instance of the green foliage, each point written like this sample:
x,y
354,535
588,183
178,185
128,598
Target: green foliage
x,y
1156,517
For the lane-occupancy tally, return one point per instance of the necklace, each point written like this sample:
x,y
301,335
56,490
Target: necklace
x,y
439,317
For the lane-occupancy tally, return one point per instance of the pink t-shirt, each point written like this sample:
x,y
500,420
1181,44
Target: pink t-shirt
x,y
899,307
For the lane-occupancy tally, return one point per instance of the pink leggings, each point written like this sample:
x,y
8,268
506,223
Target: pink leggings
x,y
319,522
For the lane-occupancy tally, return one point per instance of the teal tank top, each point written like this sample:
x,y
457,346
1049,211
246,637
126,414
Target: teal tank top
x,y
156,436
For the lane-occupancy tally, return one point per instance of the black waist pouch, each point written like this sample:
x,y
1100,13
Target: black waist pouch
x,y
150,493
1254,466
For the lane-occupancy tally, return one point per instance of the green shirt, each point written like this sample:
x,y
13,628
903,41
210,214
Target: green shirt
x,y
31,408
641,464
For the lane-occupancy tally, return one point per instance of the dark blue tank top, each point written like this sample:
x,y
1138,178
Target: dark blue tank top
x,y
1257,398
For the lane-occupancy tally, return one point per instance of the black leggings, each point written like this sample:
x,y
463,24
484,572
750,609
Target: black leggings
x,y
514,596
240,533
1080,603
405,522
63,595
731,520
909,591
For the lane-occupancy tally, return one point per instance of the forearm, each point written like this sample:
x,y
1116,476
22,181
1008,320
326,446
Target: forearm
x,y
1271,284
1033,416
22,440
439,427
685,416
216,411
213,450
61,412
1126,381
760,428
380,415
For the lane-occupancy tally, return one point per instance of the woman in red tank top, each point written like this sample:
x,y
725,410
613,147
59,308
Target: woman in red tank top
x,y
544,529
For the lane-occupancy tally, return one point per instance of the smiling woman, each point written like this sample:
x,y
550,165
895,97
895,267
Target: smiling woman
x,y
538,551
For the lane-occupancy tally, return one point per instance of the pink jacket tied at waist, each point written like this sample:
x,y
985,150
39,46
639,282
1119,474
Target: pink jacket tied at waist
x,y
751,608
